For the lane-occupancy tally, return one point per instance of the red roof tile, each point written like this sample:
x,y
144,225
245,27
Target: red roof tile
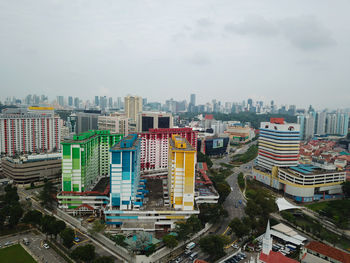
x,y
329,251
209,116
275,257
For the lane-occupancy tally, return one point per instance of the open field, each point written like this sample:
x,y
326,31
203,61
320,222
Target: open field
x,y
15,254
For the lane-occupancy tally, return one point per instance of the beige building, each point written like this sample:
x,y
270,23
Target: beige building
x,y
132,106
33,168
115,123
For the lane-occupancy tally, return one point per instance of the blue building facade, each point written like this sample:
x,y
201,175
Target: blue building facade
x,y
125,173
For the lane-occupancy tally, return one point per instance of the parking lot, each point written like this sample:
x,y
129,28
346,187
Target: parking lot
x,y
36,243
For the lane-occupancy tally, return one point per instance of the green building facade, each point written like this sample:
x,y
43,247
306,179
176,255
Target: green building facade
x,y
85,158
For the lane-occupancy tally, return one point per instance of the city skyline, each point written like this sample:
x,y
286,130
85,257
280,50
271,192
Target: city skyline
x,y
232,50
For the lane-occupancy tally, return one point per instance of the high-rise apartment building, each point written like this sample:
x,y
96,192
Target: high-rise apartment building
x,y
114,123
86,158
87,120
125,172
35,131
97,101
76,102
278,144
321,123
181,176
132,106
153,120
155,146
193,99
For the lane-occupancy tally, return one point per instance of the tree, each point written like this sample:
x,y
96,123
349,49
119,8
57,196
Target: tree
x,y
48,225
211,213
84,253
67,236
346,188
194,223
96,227
59,226
224,190
104,259
46,194
16,213
213,245
32,217
204,158
11,195
183,230
170,241
239,227
119,240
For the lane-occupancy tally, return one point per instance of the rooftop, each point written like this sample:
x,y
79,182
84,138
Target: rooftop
x,y
127,143
85,136
275,257
329,251
307,169
179,143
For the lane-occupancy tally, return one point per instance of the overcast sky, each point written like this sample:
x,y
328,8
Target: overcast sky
x,y
294,52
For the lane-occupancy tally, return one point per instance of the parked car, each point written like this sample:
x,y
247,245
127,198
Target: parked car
x,y
46,246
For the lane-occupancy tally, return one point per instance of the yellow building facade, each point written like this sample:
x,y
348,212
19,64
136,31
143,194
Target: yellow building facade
x,y
181,176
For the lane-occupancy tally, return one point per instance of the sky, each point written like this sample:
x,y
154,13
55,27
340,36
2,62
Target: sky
x,y
292,52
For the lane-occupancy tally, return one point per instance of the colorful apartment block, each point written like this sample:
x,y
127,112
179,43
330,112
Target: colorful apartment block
x,y
86,158
155,146
278,144
125,173
181,176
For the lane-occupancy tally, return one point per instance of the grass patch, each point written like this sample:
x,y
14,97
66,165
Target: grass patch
x,y
241,182
227,165
15,254
246,157
337,211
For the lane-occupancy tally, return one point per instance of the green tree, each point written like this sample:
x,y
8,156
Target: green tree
x,y
58,226
67,236
170,241
194,223
204,158
11,196
16,213
213,245
84,253
46,194
96,227
48,224
346,188
211,213
224,190
183,230
239,227
32,217
119,240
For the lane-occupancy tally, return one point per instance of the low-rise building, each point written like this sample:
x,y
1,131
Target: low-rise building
x,y
316,252
33,168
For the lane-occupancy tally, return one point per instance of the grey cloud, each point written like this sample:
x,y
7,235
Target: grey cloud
x,y
199,59
255,25
204,22
306,33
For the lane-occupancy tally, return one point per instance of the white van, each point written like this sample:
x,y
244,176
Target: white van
x,y
190,245
194,255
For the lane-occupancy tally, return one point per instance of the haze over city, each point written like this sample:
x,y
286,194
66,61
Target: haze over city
x,y
290,52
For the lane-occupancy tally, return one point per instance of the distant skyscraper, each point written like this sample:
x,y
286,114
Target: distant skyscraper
x,y
321,122
60,100
76,102
144,101
97,101
250,102
70,101
132,106
86,121
193,99
110,102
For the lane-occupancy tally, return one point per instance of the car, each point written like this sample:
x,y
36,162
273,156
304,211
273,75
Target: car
x,y
8,243
178,260
46,246
77,239
235,246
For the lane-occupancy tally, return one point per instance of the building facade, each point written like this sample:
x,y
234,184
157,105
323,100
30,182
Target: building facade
x,y
155,146
86,121
33,168
125,173
279,144
132,106
29,132
181,176
153,120
85,158
114,123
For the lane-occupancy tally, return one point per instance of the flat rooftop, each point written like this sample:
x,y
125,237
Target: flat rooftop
x,y
180,141
129,142
307,169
